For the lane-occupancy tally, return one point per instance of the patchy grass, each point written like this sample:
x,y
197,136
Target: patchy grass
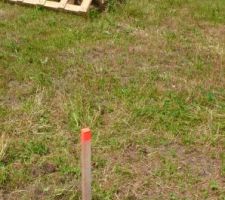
x,y
147,77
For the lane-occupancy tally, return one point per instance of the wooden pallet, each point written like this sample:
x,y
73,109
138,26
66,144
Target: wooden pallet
x,y
63,4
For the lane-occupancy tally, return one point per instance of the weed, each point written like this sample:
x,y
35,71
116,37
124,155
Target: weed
x,y
213,185
222,164
4,175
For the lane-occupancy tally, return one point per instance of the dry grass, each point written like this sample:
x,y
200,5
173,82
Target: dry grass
x,y
3,146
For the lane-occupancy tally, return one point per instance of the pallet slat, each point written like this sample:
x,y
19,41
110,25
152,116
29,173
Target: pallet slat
x,y
73,8
33,2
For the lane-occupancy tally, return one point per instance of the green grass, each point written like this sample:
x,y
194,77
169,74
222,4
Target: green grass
x,y
148,77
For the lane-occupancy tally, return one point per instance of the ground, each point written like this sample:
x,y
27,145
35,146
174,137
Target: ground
x,y
148,77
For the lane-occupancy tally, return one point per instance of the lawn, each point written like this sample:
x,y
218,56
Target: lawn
x,y
147,76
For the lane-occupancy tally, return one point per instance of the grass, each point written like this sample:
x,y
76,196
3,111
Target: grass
x,y
147,77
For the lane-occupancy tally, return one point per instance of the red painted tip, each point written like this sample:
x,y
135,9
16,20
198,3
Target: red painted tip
x,y
85,134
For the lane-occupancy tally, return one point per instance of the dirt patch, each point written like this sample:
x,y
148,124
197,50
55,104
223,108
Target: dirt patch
x,y
46,168
182,168
2,14
100,53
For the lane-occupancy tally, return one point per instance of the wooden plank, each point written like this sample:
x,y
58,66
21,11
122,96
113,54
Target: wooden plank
x,y
63,3
41,2
73,8
33,2
85,5
52,4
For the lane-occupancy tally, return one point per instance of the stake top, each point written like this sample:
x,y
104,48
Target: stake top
x,y
85,134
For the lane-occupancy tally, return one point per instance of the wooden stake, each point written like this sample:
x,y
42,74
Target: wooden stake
x,y
86,163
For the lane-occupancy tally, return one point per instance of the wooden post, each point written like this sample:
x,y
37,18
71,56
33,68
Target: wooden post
x,y
86,163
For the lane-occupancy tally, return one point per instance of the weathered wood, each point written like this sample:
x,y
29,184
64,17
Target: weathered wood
x,y
68,5
85,5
